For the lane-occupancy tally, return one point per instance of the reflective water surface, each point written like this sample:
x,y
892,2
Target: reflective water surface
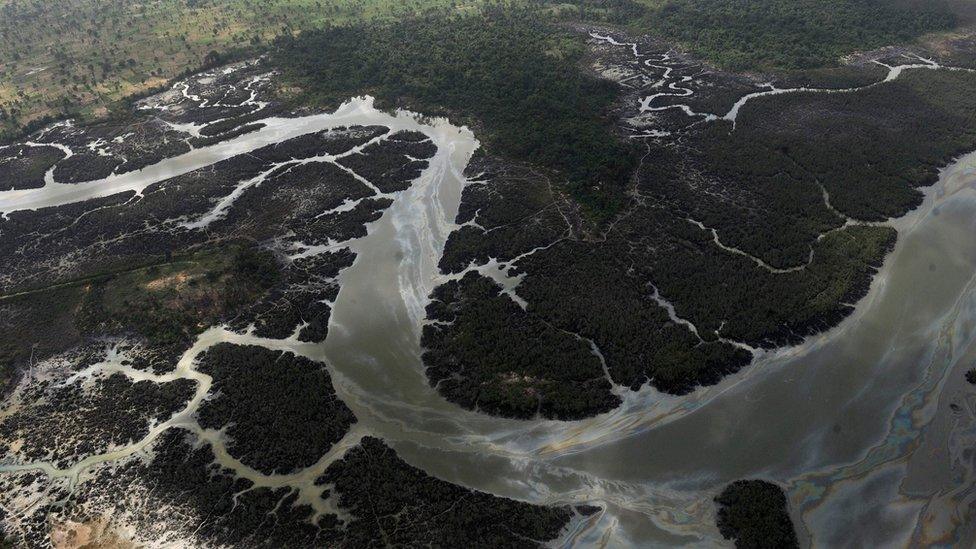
x,y
856,422
869,426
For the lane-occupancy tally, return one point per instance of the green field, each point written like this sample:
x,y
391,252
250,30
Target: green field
x,y
166,300
79,57
794,34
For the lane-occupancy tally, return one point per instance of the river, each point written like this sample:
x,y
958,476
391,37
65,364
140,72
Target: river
x,y
869,426
839,420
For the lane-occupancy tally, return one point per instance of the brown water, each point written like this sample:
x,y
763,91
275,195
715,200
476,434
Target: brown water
x,y
838,420
856,423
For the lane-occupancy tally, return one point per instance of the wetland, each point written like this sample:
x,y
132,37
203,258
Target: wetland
x,y
274,306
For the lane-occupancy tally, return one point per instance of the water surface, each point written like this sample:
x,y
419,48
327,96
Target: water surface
x,y
869,426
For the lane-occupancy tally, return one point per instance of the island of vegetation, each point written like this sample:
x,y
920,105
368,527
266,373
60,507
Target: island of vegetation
x,y
662,193
108,304
754,514
657,243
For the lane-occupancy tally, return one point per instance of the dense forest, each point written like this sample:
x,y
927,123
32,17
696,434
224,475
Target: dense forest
x,y
794,34
83,58
265,400
617,12
745,236
484,352
754,514
510,73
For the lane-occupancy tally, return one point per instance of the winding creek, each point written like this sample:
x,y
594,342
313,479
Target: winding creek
x,y
869,426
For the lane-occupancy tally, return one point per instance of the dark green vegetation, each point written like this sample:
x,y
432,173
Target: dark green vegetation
x,y
754,514
618,12
81,57
279,413
66,422
511,74
764,193
297,301
35,326
971,376
23,167
162,266
409,507
755,235
917,124
511,209
486,353
166,301
389,503
123,266
166,286
170,303
793,34
307,193
382,163
267,401
766,183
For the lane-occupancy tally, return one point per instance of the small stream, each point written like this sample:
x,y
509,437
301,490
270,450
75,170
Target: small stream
x,y
823,418
867,425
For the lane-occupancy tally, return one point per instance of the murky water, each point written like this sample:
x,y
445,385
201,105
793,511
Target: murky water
x,y
275,130
870,425
826,418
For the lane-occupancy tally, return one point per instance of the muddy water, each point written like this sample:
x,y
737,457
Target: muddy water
x,y
867,426
837,420
840,418
275,130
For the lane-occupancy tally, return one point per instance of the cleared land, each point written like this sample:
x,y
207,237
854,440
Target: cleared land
x,y
81,57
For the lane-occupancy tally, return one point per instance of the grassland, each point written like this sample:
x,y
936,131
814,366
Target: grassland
x,y
170,302
79,56
165,301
